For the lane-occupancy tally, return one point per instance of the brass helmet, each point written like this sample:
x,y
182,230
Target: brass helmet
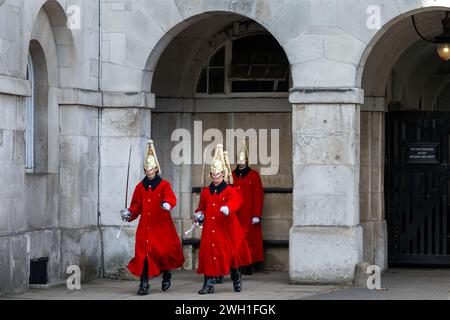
x,y
218,162
151,160
242,155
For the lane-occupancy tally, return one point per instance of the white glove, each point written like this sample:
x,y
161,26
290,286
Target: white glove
x,y
166,206
225,210
199,217
256,220
125,214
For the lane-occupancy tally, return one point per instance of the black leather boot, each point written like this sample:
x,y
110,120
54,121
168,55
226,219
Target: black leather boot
x,y
167,276
208,286
144,286
218,280
236,277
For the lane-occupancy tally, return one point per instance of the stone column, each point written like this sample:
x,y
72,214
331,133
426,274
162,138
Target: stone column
x,y
372,181
326,238
13,238
78,187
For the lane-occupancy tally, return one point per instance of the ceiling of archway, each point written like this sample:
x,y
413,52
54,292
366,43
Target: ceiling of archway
x,y
181,61
405,68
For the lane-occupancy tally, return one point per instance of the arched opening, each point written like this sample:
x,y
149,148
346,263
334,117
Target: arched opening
x,y
221,77
404,145
29,126
37,111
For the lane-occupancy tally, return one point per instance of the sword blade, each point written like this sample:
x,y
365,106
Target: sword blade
x,y
120,230
128,179
126,193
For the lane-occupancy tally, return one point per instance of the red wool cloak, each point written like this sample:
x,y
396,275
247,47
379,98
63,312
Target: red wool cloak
x,y
248,183
156,236
223,243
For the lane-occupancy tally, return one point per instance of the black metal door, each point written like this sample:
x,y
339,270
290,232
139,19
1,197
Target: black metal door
x,y
417,187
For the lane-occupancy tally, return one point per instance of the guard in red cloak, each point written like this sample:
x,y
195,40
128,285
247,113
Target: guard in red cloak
x,y
158,247
222,246
248,183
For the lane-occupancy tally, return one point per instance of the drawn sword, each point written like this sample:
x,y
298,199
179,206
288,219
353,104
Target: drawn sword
x,y
126,191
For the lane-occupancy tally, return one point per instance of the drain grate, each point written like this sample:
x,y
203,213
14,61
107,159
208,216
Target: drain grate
x,y
38,271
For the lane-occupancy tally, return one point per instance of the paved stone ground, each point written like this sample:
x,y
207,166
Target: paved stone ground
x,y
400,284
185,285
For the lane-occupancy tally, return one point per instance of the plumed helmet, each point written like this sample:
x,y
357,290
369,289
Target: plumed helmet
x,y
151,160
218,162
243,152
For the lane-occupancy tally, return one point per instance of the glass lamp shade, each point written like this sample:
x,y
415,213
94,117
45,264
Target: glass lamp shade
x,y
443,50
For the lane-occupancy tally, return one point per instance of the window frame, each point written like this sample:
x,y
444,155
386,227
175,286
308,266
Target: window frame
x,y
228,44
29,124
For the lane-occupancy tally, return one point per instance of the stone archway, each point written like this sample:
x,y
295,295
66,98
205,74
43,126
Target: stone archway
x,y
398,72
178,105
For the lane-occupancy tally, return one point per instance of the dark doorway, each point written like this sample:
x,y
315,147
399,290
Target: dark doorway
x,y
417,188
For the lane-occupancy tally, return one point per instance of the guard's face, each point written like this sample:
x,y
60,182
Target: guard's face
x,y
151,173
242,160
242,165
217,177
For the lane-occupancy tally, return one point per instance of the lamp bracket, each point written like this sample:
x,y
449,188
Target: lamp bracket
x,y
418,32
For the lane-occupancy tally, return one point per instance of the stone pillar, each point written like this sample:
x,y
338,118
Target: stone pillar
x,y
78,196
13,239
326,238
372,182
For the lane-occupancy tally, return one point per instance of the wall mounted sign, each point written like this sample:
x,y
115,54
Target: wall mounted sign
x,y
422,153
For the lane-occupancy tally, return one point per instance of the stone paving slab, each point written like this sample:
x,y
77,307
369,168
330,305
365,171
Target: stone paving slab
x,y
185,284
